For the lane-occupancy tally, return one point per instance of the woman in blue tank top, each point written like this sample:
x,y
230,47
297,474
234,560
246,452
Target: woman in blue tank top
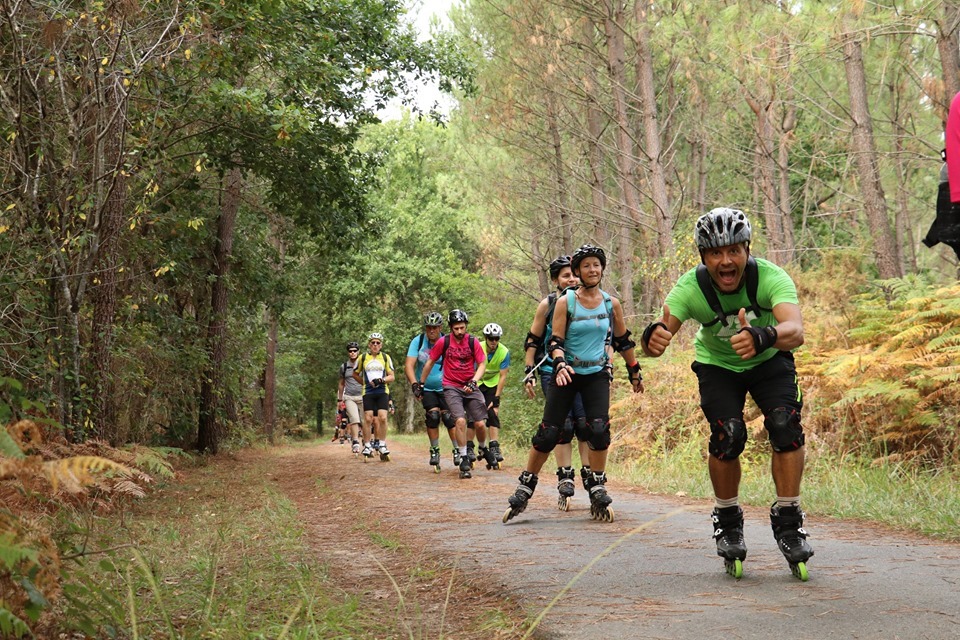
x,y
585,323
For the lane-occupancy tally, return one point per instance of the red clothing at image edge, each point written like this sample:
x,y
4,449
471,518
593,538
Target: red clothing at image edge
x,y
952,143
459,364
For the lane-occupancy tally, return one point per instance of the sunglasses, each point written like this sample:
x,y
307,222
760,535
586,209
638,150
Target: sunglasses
x,y
375,342
353,350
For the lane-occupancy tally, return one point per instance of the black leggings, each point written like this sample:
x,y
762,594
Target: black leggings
x,y
593,388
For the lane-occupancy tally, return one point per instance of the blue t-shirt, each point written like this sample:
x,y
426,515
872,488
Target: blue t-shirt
x,y
435,379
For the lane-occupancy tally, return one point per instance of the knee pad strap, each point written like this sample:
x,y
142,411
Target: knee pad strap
x,y
727,438
784,429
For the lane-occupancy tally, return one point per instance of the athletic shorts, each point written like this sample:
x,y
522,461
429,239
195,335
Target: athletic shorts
x,y
772,384
576,411
465,405
376,402
433,399
354,408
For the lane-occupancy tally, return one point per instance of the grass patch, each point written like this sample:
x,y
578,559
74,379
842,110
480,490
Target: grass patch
x,y
215,557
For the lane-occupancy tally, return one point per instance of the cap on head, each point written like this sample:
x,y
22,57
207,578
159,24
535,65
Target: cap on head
x,y
721,227
586,251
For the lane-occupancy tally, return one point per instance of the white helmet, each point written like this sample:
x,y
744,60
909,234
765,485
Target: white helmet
x,y
375,336
721,227
493,330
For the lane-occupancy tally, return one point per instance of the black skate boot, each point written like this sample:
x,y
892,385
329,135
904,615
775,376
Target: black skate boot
x,y
787,525
599,498
495,449
565,487
435,459
518,501
490,456
728,532
482,451
471,456
585,475
456,457
465,468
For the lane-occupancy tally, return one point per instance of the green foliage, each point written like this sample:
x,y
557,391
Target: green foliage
x,y
12,626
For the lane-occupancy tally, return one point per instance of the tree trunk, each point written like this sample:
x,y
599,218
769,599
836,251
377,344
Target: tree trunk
x,y
543,277
947,45
594,117
864,148
651,129
561,198
613,29
411,412
113,199
270,378
783,170
766,177
211,386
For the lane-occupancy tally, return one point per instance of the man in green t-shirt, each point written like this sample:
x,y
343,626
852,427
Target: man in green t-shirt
x,y
491,386
750,320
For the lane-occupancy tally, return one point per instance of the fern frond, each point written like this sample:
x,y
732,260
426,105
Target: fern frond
x,y
77,471
9,448
12,554
128,488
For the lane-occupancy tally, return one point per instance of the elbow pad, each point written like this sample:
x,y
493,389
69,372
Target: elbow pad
x,y
533,341
623,343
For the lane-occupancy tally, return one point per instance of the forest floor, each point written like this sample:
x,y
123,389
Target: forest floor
x,y
430,550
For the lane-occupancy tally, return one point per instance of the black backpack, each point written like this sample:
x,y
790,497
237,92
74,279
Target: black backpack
x,y
706,287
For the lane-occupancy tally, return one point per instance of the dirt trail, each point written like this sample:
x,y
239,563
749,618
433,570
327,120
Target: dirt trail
x,y
659,578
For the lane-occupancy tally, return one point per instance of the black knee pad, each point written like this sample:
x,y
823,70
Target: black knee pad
x,y
546,438
784,428
566,432
433,419
727,438
580,428
448,420
598,433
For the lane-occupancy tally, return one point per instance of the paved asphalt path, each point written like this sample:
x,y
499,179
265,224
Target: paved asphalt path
x,y
654,573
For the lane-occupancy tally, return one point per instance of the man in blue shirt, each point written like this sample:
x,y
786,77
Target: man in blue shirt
x,y
431,395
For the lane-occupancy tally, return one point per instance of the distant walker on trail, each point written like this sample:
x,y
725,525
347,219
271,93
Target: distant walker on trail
x,y
750,320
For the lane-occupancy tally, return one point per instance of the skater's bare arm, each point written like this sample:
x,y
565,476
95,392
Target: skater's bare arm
x,y
426,371
562,373
409,369
628,354
661,333
537,328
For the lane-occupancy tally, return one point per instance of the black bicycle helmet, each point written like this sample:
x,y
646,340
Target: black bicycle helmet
x,y
559,265
585,251
432,319
353,345
457,316
721,227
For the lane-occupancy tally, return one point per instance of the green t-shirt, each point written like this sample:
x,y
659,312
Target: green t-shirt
x,y
712,343
500,359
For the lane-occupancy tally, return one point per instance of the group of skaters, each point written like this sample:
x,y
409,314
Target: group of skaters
x,y
750,321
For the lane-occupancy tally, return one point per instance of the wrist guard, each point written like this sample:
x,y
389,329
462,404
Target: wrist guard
x,y
633,372
471,386
622,343
417,389
559,363
645,338
763,337
609,369
529,374
496,401
533,341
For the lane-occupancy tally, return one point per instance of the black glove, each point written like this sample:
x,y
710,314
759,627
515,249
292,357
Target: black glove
x,y
378,382
633,372
471,386
496,401
417,389
763,337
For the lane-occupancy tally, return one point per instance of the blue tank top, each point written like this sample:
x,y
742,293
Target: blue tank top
x,y
588,332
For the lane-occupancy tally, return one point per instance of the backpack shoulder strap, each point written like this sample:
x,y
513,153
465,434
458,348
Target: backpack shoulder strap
x,y
753,282
420,344
706,288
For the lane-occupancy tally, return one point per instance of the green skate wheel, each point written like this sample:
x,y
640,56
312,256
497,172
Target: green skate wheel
x,y
734,568
799,571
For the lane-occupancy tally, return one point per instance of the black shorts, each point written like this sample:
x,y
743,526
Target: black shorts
x,y
434,399
594,390
376,402
772,385
489,393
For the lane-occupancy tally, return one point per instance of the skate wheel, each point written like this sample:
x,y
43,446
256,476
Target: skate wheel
x,y
799,571
608,514
436,469
508,514
734,568
497,466
563,503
